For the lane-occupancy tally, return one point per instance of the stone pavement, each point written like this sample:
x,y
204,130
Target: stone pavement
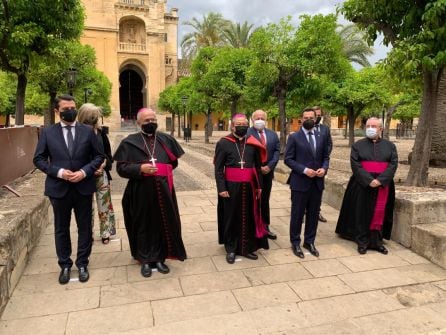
x,y
341,292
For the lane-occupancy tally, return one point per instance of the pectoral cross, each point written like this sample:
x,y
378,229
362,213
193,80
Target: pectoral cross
x,y
241,164
153,160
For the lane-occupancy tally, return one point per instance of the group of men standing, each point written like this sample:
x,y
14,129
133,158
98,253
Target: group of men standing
x,y
244,161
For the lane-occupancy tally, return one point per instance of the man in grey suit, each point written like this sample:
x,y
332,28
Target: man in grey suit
x,y
325,131
270,139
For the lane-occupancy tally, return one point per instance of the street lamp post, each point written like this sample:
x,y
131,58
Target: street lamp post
x,y
184,99
71,79
87,92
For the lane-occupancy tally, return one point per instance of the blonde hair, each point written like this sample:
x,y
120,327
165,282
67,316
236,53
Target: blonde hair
x,y
89,114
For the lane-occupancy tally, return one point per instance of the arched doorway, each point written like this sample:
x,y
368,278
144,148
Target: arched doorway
x,y
131,93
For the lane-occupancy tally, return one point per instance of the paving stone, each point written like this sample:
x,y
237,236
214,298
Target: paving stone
x,y
345,327
284,256
48,282
372,261
42,265
104,320
240,263
43,325
213,282
411,257
110,259
325,267
265,295
200,237
417,295
191,227
318,288
276,274
233,324
191,266
26,306
441,285
376,279
116,295
195,306
423,273
278,318
191,210
328,310
412,321
209,226
204,249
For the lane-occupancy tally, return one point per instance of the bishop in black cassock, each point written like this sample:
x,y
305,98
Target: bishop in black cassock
x,y
366,214
151,215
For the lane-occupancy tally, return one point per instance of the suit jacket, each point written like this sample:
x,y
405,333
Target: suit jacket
x,y
52,155
324,130
298,156
272,146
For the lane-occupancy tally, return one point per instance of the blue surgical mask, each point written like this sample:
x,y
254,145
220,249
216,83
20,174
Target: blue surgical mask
x,y
371,133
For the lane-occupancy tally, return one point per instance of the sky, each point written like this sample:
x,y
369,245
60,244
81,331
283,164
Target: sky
x,y
260,12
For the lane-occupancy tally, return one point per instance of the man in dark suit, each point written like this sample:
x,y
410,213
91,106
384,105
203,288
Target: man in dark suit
x,y
270,139
307,155
322,129
69,154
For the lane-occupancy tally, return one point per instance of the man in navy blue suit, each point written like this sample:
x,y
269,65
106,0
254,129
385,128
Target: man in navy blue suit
x,y
270,139
69,154
307,155
323,129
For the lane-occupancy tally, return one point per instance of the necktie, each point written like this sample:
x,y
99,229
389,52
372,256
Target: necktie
x,y
262,137
311,140
70,141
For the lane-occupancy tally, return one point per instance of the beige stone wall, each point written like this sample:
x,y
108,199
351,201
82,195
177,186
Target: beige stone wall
x,y
133,34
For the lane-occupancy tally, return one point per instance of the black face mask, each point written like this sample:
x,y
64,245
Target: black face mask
x,y
68,115
241,130
308,124
149,128
318,119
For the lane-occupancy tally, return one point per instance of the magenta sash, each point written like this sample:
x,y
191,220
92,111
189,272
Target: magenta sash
x,y
383,194
248,175
164,170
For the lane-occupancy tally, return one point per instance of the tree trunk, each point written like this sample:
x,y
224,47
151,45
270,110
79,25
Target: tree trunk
x,y
389,114
49,117
418,172
273,126
281,95
179,125
172,127
438,148
22,81
327,120
208,128
351,125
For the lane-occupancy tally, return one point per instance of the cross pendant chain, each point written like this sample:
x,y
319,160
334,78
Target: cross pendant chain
x,y
151,154
242,162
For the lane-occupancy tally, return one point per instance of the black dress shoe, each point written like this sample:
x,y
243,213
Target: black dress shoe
x,y
298,251
311,248
382,249
252,256
362,250
321,218
230,257
271,235
162,268
146,270
83,274
64,276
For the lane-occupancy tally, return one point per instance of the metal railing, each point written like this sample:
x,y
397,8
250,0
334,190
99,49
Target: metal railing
x,y
132,47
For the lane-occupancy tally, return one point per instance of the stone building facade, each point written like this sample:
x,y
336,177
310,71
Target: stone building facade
x,y
136,48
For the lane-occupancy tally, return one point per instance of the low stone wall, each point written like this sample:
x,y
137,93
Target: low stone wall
x,y
419,220
22,220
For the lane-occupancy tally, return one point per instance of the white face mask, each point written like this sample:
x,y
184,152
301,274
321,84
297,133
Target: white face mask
x,y
259,124
371,132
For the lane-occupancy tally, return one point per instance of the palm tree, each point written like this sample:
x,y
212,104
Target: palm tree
x,y
207,32
355,46
237,35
